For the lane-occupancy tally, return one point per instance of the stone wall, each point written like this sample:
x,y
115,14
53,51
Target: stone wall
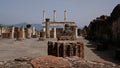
x,y
99,29
116,30
59,32
106,30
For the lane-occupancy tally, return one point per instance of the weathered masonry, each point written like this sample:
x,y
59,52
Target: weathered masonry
x,y
18,33
51,28
66,48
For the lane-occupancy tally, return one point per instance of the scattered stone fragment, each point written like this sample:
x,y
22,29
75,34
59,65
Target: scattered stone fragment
x,y
55,62
16,64
1,64
23,59
50,62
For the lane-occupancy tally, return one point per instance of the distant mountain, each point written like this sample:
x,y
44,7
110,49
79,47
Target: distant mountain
x,y
20,24
37,26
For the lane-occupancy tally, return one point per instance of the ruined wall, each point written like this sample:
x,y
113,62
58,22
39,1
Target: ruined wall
x,y
59,32
13,32
69,33
106,28
100,29
116,30
6,32
66,48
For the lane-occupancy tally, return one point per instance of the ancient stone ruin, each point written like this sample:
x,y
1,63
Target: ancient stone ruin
x,y
18,33
66,45
53,28
69,33
106,30
66,48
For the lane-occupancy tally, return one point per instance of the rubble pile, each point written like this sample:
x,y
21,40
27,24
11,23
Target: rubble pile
x,y
50,62
54,62
22,62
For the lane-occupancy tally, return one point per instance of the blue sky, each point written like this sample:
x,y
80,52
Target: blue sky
x,y
30,11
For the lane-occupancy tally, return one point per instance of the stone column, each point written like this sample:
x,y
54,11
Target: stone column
x,y
76,48
23,32
43,15
54,20
47,23
64,50
71,50
58,49
29,31
33,31
76,32
12,32
54,32
54,15
44,29
0,31
65,15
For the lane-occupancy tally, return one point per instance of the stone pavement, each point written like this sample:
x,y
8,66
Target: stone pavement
x,y
10,48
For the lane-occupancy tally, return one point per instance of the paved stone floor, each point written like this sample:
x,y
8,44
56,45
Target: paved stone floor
x,y
91,53
11,49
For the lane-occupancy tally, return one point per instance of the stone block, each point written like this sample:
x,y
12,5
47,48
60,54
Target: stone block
x,y
1,64
16,64
50,62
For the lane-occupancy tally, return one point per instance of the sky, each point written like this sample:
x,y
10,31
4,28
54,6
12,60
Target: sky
x,y
31,11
